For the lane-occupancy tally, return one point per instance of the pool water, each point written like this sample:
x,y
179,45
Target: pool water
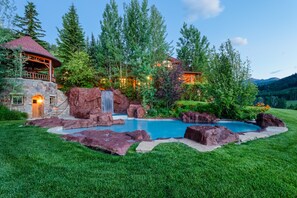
x,y
167,128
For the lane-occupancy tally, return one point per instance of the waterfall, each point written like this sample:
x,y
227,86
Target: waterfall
x,y
107,101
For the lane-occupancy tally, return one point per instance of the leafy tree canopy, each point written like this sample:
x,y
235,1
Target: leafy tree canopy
x,y
77,72
229,85
192,49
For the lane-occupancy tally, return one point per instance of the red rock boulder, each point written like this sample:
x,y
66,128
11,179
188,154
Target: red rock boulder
x,y
196,117
121,102
136,111
106,140
211,135
46,122
265,120
83,100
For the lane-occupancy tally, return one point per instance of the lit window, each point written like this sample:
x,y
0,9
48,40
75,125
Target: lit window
x,y
17,99
52,100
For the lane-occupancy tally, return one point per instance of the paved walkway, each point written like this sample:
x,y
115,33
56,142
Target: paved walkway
x,y
147,146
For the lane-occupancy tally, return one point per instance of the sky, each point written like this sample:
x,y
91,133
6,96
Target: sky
x,y
263,31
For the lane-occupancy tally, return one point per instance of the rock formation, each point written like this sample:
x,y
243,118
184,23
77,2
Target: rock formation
x,y
85,101
103,119
211,135
109,141
136,111
121,102
265,120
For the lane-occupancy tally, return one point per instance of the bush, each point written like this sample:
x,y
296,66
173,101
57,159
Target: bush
x,y
6,114
195,106
250,112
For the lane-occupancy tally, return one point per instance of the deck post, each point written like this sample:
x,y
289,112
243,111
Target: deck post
x,y
50,70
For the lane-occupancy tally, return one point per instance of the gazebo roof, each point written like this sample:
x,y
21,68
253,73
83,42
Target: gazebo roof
x,y
28,45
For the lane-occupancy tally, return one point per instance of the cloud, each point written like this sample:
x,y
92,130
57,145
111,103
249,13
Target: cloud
x,y
239,41
202,9
275,72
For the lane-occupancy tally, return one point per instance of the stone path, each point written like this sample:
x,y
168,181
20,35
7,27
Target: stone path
x,y
147,146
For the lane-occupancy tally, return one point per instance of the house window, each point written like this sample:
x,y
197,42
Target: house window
x,y
17,99
52,100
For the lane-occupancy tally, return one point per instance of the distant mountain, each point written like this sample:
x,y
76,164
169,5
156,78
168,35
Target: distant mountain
x,y
283,88
261,82
284,83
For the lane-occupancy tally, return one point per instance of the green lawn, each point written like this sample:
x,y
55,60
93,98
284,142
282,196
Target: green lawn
x,y
38,164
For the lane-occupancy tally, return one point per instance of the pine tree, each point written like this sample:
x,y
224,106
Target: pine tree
x,y
111,41
71,36
92,50
30,24
192,49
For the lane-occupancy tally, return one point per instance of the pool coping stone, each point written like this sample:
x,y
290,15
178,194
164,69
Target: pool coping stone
x,y
147,146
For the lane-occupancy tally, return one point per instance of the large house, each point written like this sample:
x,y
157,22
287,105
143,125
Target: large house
x,y
189,77
39,95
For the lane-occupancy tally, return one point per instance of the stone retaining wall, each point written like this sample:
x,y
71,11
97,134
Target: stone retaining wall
x,y
30,88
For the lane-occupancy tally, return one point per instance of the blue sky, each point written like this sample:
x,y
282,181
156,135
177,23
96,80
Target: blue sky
x,y
264,31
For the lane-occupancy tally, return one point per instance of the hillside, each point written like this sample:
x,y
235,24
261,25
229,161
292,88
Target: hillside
x,y
261,82
277,93
284,83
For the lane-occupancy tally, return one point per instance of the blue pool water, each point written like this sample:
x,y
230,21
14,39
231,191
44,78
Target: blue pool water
x,y
167,128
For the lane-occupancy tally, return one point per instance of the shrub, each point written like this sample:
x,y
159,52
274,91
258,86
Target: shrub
x,y
251,112
195,106
6,114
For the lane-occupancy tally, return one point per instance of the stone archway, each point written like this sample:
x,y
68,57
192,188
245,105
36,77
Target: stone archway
x,y
37,106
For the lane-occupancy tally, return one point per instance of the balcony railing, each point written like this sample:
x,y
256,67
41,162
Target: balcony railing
x,y
37,76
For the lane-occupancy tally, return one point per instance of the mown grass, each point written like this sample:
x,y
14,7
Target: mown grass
x,y
34,163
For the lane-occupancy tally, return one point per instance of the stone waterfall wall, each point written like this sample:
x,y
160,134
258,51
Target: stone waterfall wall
x,y
86,101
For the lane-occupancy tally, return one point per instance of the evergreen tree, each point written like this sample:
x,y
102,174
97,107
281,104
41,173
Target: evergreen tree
x,y
92,50
111,52
71,36
192,49
30,24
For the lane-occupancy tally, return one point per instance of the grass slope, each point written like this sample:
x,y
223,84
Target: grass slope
x,y
38,164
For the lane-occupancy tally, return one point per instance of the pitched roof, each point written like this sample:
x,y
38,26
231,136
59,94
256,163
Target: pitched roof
x,y
174,60
30,46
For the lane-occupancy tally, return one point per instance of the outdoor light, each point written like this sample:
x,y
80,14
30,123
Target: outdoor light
x,y
39,100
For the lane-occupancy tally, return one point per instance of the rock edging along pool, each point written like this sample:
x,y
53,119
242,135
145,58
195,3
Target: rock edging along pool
x,y
168,128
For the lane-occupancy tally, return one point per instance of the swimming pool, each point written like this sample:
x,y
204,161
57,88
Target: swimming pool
x,y
167,128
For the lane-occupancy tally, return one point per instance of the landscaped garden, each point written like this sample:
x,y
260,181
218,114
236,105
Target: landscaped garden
x,y
36,163
131,60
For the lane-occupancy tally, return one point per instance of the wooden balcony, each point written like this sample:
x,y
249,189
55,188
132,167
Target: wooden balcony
x,y
37,76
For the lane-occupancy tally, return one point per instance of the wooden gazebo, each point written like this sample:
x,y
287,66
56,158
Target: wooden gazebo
x,y
39,64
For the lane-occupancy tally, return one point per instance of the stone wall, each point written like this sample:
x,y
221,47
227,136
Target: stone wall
x,y
30,88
